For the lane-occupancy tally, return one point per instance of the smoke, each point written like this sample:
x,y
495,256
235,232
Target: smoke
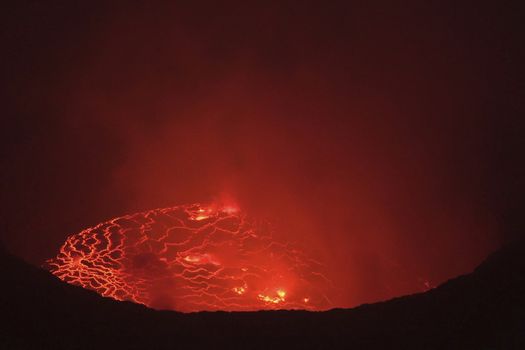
x,y
365,133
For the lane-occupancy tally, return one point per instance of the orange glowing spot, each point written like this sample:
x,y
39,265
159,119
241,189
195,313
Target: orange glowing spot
x,y
268,299
427,286
192,258
239,290
201,259
280,297
306,300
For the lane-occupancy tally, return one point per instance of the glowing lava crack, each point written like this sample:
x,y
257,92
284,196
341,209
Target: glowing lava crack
x,y
192,258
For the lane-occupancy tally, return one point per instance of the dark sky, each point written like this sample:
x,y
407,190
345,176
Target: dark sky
x,y
386,137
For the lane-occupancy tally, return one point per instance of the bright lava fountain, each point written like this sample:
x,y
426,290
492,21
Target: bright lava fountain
x,y
192,258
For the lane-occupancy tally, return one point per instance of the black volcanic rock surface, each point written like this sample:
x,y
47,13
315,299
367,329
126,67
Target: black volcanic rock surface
x,y
481,310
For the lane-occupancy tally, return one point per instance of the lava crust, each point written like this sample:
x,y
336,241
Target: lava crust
x,y
192,258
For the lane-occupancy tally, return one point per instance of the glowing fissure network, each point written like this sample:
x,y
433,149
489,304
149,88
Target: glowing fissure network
x,y
192,258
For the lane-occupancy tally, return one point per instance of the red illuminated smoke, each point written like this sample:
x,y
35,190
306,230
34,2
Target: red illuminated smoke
x,y
192,258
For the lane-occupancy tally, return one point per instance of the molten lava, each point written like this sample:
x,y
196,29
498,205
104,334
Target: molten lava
x,y
192,258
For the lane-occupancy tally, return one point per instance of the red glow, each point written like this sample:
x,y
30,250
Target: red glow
x,y
192,258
